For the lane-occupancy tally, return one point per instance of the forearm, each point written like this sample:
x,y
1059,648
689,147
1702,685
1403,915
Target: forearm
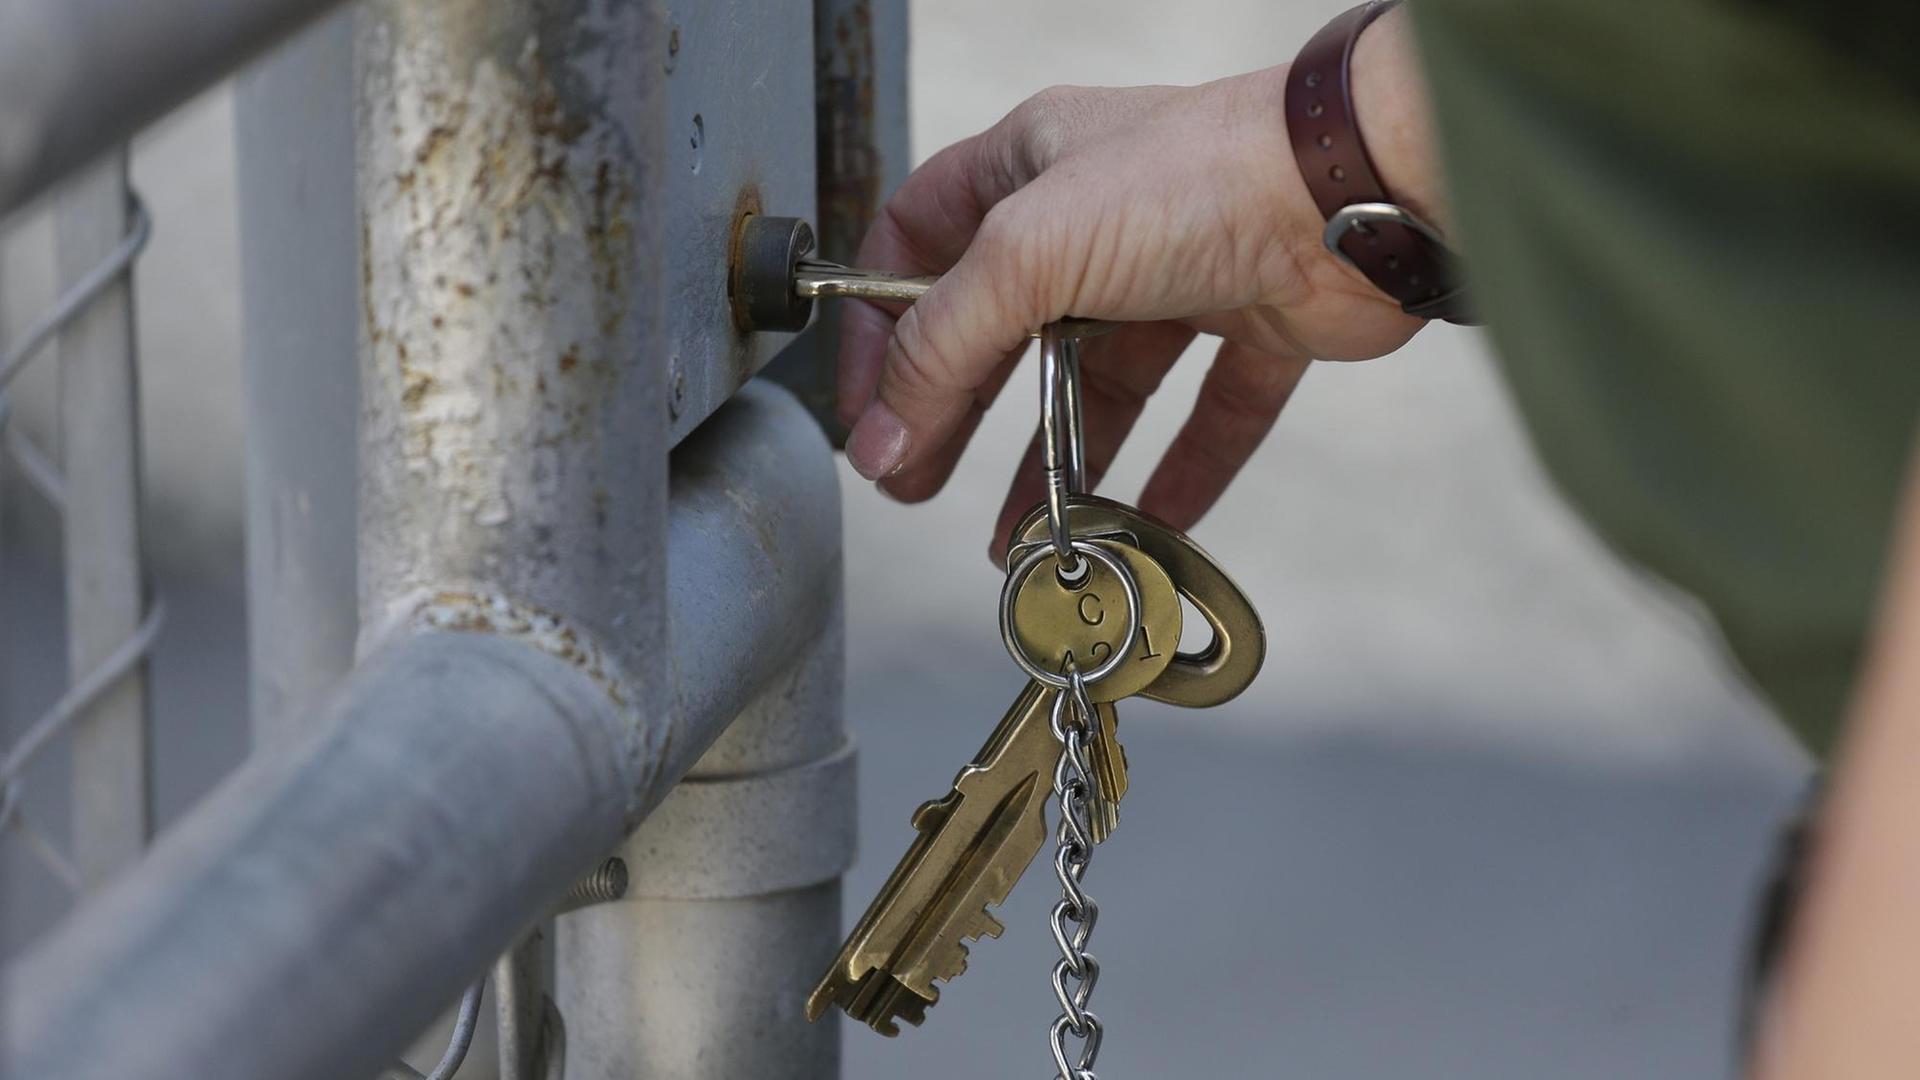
x,y
1847,1007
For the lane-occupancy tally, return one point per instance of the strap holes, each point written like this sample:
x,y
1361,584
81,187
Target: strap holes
x,y
1337,173
1393,262
1413,279
1326,142
1313,79
1315,108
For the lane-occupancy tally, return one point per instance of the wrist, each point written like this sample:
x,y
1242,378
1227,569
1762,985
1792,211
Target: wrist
x,y
1381,222
1391,107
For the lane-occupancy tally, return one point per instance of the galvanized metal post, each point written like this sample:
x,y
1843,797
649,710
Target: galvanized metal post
x,y
733,906
512,377
299,280
112,797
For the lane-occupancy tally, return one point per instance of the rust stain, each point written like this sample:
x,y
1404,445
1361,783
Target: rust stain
x,y
570,359
609,231
415,385
544,630
439,135
366,282
850,166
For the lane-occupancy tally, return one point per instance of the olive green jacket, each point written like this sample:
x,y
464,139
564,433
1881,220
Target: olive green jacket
x,y
1693,227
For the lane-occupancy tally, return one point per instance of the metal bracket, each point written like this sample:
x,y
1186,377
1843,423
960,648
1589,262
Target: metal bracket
x,y
740,141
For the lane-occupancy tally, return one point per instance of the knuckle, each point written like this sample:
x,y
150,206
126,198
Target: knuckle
x,y
1001,236
1013,270
917,364
1044,123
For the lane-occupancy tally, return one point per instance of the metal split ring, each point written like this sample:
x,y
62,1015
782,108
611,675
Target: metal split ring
x,y
1022,570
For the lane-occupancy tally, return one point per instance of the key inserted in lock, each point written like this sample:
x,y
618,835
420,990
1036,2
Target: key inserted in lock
x,y
773,284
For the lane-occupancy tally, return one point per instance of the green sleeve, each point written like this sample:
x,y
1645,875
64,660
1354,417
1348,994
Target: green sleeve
x,y
1694,230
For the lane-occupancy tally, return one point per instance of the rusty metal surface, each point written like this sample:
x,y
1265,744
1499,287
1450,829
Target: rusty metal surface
x,y
512,375
739,140
860,133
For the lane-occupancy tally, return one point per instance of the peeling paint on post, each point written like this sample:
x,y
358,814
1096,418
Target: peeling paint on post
x,y
512,369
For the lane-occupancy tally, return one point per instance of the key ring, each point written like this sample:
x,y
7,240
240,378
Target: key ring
x,y
1022,570
1062,438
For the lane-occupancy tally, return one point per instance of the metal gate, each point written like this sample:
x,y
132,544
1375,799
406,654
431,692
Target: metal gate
x,y
543,594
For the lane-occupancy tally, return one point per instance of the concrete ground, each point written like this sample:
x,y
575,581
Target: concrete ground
x,y
1494,809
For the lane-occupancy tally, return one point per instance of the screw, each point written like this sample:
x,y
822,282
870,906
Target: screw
x,y
677,387
608,881
673,47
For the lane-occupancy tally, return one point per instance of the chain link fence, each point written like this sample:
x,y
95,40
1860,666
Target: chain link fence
x,y
43,476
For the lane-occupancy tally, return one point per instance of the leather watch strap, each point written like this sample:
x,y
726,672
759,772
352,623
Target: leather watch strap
x,y
1401,255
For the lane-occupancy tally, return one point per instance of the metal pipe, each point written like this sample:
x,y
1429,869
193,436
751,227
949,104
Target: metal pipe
x,y
733,904
513,370
106,582
299,261
314,913
530,1038
78,77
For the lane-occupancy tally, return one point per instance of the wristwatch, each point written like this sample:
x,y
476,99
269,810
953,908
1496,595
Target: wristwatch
x,y
1402,255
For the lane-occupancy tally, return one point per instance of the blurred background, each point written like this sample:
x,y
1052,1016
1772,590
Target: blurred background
x,y
1496,807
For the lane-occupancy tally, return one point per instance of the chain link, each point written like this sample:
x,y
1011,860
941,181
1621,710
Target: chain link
x,y
40,471
1077,970
1063,444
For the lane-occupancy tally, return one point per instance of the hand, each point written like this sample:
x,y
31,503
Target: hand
x,y
1178,210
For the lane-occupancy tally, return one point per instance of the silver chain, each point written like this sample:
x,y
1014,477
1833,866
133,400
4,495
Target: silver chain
x,y
1076,972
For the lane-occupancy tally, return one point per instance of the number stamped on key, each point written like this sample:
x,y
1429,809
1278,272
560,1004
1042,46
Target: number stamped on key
x,y
1063,623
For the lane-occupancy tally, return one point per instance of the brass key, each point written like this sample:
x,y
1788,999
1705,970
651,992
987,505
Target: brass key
x,y
772,285
817,279
1213,675
975,842
1064,623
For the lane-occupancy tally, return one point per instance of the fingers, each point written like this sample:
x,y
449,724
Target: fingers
x,y
924,480
924,229
951,341
1239,400
1119,372
1013,252
905,394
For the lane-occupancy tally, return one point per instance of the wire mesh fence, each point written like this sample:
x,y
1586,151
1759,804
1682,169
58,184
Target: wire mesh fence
x,y
43,475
